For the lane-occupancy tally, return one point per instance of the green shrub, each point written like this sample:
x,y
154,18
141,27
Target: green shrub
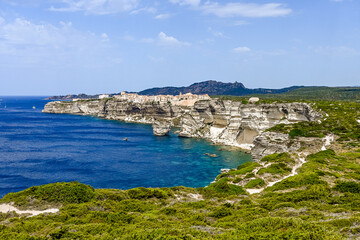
x,y
244,168
303,179
72,192
169,211
250,175
220,212
237,180
284,205
278,158
222,188
351,187
276,168
110,194
145,193
255,183
322,157
296,132
133,205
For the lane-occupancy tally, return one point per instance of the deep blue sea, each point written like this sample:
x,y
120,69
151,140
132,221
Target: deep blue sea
x,y
38,148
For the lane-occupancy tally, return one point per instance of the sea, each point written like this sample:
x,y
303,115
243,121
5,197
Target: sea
x,y
39,148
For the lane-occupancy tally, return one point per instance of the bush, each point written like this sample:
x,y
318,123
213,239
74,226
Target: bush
x,y
222,188
72,192
237,180
145,193
244,168
255,183
295,133
110,194
220,212
303,179
169,211
278,158
351,187
322,156
276,168
250,175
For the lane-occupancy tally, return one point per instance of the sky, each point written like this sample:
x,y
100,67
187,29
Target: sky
x,y
52,47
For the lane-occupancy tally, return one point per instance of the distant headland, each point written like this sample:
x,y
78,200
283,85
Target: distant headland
x,y
210,87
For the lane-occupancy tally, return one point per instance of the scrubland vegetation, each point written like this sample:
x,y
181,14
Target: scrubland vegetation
x,y
321,202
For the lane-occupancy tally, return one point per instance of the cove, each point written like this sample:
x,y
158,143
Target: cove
x,y
38,148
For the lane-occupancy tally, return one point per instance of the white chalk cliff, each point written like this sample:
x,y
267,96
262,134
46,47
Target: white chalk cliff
x,y
225,122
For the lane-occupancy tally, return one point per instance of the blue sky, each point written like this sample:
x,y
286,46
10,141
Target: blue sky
x,y
52,47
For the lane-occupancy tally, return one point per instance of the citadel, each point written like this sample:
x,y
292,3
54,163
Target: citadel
x,y
187,99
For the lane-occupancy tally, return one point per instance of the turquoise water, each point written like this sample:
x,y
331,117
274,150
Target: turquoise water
x,y
38,148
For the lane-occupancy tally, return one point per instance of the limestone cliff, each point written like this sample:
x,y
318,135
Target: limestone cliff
x,y
237,124
161,128
220,121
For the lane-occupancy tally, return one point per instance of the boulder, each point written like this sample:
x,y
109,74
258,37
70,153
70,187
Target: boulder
x,y
161,128
253,99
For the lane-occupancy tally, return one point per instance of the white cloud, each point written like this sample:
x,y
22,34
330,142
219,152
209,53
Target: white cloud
x,y
163,16
339,51
216,33
156,59
150,10
97,7
128,37
336,0
241,49
241,23
252,10
104,37
193,3
147,40
165,40
22,41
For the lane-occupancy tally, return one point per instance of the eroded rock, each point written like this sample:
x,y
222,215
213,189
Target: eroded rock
x,y
161,128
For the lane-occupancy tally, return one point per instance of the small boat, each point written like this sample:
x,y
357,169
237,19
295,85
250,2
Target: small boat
x,y
125,139
33,107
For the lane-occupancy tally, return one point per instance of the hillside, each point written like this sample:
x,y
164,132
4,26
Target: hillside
x,y
309,94
208,87
213,88
321,201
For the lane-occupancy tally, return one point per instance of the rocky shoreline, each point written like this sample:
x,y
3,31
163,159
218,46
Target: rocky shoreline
x,y
219,121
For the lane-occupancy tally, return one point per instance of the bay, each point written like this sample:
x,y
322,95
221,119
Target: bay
x,y
39,148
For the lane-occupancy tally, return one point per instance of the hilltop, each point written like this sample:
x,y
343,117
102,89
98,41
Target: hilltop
x,y
210,87
307,94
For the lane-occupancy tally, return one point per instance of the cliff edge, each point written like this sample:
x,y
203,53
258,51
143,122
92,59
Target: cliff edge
x,y
220,121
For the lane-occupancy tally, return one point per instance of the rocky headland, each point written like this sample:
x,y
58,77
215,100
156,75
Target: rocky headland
x,y
220,121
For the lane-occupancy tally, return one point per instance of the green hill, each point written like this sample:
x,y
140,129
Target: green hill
x,y
309,93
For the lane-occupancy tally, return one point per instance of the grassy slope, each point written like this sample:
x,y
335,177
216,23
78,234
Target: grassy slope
x,y
321,202
308,93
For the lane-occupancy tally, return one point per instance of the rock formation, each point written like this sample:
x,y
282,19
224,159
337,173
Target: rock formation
x,y
161,128
267,143
220,121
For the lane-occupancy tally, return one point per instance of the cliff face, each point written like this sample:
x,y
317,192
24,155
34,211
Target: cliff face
x,y
116,110
227,122
238,124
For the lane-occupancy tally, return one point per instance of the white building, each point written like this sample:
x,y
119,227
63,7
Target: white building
x,y
102,96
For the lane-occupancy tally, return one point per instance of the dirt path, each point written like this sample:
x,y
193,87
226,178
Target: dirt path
x,y
5,208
